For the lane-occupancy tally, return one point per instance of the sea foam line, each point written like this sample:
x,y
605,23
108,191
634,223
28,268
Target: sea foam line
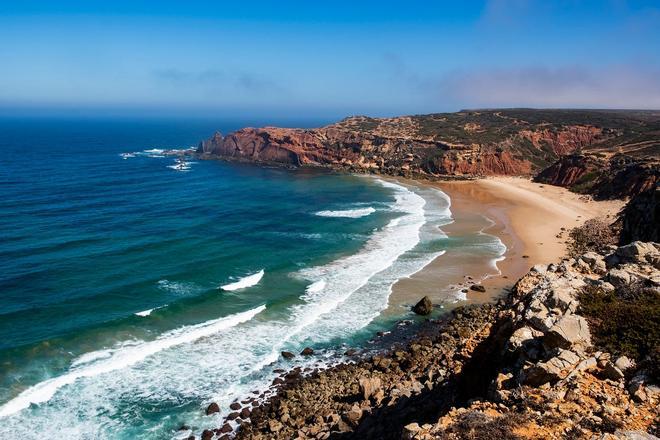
x,y
123,358
347,213
244,282
344,276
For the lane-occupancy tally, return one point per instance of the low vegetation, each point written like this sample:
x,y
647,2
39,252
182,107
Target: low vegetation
x,y
626,321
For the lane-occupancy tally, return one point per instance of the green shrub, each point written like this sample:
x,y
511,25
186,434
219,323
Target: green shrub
x,y
626,322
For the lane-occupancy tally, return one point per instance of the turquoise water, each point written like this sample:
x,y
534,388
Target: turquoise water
x,y
113,319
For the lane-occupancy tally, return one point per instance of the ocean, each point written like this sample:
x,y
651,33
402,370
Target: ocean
x,y
133,293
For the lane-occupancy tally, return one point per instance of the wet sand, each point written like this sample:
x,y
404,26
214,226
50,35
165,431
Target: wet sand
x,y
526,216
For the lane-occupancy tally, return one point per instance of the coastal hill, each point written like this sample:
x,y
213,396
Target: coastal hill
x,y
573,148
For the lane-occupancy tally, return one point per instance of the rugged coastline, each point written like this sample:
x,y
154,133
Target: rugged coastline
x,y
526,367
536,363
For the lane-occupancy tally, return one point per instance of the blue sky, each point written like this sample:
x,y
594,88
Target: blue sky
x,y
327,58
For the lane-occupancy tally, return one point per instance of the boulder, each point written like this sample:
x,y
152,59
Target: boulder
x,y
612,372
370,387
618,277
274,426
354,415
595,262
212,408
207,434
478,288
288,355
307,351
624,363
552,370
424,306
636,251
571,331
235,406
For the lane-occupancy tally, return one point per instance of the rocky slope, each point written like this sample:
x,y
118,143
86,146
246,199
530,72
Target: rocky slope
x,y
619,176
530,367
466,143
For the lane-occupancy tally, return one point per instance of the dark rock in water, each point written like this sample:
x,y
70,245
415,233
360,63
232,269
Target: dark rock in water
x,y
307,352
233,416
424,306
207,434
288,355
226,428
235,406
477,288
350,352
184,428
245,413
212,408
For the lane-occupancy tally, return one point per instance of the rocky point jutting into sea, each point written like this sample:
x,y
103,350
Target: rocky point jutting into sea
x,y
571,351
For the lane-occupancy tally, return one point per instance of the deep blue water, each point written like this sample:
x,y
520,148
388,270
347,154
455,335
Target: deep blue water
x,y
112,323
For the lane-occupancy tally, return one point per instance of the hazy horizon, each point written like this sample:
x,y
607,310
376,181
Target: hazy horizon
x,y
311,60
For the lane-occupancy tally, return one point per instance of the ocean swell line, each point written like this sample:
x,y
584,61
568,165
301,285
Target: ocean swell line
x,y
122,358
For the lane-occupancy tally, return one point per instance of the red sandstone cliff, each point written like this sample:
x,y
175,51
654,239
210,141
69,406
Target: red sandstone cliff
x,y
468,143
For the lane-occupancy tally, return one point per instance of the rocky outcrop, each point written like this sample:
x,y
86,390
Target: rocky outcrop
x,y
640,219
359,152
423,307
619,177
524,368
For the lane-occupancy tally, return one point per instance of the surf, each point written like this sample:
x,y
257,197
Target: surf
x,y
44,391
245,282
347,213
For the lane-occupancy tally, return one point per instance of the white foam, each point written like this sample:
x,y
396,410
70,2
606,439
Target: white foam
x,y
341,297
179,287
147,312
348,213
179,167
316,287
119,359
244,282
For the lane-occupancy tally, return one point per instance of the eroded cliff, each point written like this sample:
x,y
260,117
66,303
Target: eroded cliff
x,y
465,144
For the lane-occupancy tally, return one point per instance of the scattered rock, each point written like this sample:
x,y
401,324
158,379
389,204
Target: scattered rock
x,y
235,406
571,331
624,363
477,288
212,408
370,387
424,306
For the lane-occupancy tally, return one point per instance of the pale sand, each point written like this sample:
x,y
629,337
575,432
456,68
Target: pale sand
x,y
528,218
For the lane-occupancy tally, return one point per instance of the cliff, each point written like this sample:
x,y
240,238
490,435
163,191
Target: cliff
x,y
464,144
620,176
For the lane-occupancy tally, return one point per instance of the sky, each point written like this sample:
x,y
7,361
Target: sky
x,y
304,58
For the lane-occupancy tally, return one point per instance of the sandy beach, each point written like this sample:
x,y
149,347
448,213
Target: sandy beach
x,y
528,217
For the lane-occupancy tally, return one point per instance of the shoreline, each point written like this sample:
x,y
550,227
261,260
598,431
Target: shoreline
x,y
526,216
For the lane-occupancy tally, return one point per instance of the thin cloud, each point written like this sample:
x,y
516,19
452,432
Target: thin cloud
x,y
569,86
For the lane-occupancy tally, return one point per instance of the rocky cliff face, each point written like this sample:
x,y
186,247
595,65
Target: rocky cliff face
x,y
467,143
640,219
619,176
